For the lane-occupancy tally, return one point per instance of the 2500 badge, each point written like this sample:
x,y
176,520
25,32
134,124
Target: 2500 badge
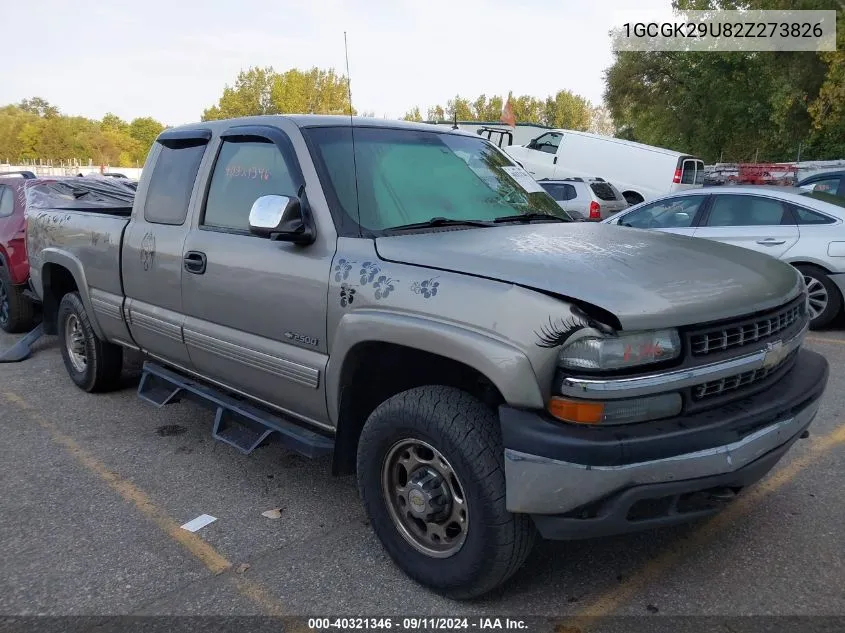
x,y
304,339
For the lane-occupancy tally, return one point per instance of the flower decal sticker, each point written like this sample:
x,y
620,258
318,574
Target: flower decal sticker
x,y
341,269
368,272
347,295
383,286
427,288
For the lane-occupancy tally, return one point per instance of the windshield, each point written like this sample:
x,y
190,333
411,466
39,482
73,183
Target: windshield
x,y
411,176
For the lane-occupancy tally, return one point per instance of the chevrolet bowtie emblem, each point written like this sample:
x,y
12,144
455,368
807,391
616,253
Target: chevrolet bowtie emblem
x,y
775,352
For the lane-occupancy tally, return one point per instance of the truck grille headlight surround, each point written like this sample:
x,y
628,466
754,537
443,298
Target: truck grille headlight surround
x,y
612,412
599,353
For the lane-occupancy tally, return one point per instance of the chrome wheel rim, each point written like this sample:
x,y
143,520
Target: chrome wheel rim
x,y
75,343
425,498
817,295
4,304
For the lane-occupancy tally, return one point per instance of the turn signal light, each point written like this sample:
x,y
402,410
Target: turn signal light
x,y
576,411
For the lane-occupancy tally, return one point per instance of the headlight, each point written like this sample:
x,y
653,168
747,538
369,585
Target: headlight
x,y
621,352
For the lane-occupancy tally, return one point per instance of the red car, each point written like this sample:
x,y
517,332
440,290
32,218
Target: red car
x,y
23,191
17,311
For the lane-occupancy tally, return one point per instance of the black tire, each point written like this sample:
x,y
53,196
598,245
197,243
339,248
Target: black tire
x,y
632,197
103,360
813,276
467,434
17,314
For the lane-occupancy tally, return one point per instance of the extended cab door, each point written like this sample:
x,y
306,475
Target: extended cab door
x,y
255,308
751,221
152,247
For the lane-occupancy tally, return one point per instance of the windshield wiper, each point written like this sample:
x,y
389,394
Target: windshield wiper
x,y
530,217
439,221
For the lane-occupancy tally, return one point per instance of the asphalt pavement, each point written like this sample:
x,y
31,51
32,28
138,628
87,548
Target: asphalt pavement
x,y
95,487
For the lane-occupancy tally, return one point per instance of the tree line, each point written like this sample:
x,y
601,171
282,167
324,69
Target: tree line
x,y
735,106
34,130
564,109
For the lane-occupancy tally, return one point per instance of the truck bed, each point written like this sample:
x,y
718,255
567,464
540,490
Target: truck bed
x,y
92,238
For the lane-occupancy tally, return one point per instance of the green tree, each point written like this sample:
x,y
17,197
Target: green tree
x,y
567,110
732,106
413,115
259,91
437,113
459,108
39,107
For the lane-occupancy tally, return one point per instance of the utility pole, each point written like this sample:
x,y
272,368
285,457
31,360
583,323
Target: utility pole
x,y
798,160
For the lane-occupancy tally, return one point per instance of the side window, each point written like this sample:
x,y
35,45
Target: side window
x,y
556,191
739,210
245,171
805,216
7,201
172,182
547,142
671,213
828,185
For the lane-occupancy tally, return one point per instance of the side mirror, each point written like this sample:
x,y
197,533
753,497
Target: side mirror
x,y
281,218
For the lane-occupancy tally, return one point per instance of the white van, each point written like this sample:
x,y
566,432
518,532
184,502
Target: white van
x,y
640,172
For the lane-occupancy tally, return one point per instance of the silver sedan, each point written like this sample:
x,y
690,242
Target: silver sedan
x,y
803,228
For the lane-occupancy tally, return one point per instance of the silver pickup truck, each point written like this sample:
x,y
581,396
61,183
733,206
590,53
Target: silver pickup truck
x,y
409,300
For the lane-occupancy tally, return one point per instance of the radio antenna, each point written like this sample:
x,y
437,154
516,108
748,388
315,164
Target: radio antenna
x,y
352,131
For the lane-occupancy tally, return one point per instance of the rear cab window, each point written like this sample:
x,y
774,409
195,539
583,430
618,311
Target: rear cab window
x,y
172,181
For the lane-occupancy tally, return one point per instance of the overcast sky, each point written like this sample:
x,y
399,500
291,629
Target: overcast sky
x,y
170,59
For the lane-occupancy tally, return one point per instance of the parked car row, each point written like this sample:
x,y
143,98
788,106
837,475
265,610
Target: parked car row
x,y
410,300
804,228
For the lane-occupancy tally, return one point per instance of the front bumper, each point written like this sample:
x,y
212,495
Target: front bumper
x,y
586,481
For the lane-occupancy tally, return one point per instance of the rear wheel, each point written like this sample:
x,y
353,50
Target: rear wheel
x,y
93,364
16,310
431,475
824,297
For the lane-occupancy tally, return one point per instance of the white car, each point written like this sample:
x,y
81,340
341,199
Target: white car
x,y
640,172
803,228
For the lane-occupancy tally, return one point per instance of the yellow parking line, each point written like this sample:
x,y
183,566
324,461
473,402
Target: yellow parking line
x,y
821,339
607,603
202,551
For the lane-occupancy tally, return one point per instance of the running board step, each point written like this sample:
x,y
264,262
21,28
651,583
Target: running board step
x,y
236,422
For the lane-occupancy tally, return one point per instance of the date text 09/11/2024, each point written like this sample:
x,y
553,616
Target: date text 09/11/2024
x,y
416,623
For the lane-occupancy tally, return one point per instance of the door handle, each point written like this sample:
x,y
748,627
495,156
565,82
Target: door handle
x,y
770,241
195,262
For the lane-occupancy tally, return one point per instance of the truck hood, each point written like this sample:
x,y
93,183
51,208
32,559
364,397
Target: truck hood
x,y
647,279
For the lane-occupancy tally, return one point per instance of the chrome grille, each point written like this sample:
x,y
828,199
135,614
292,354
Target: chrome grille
x,y
719,387
737,334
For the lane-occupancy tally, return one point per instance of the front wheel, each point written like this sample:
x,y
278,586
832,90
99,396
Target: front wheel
x,y
824,297
431,475
93,364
